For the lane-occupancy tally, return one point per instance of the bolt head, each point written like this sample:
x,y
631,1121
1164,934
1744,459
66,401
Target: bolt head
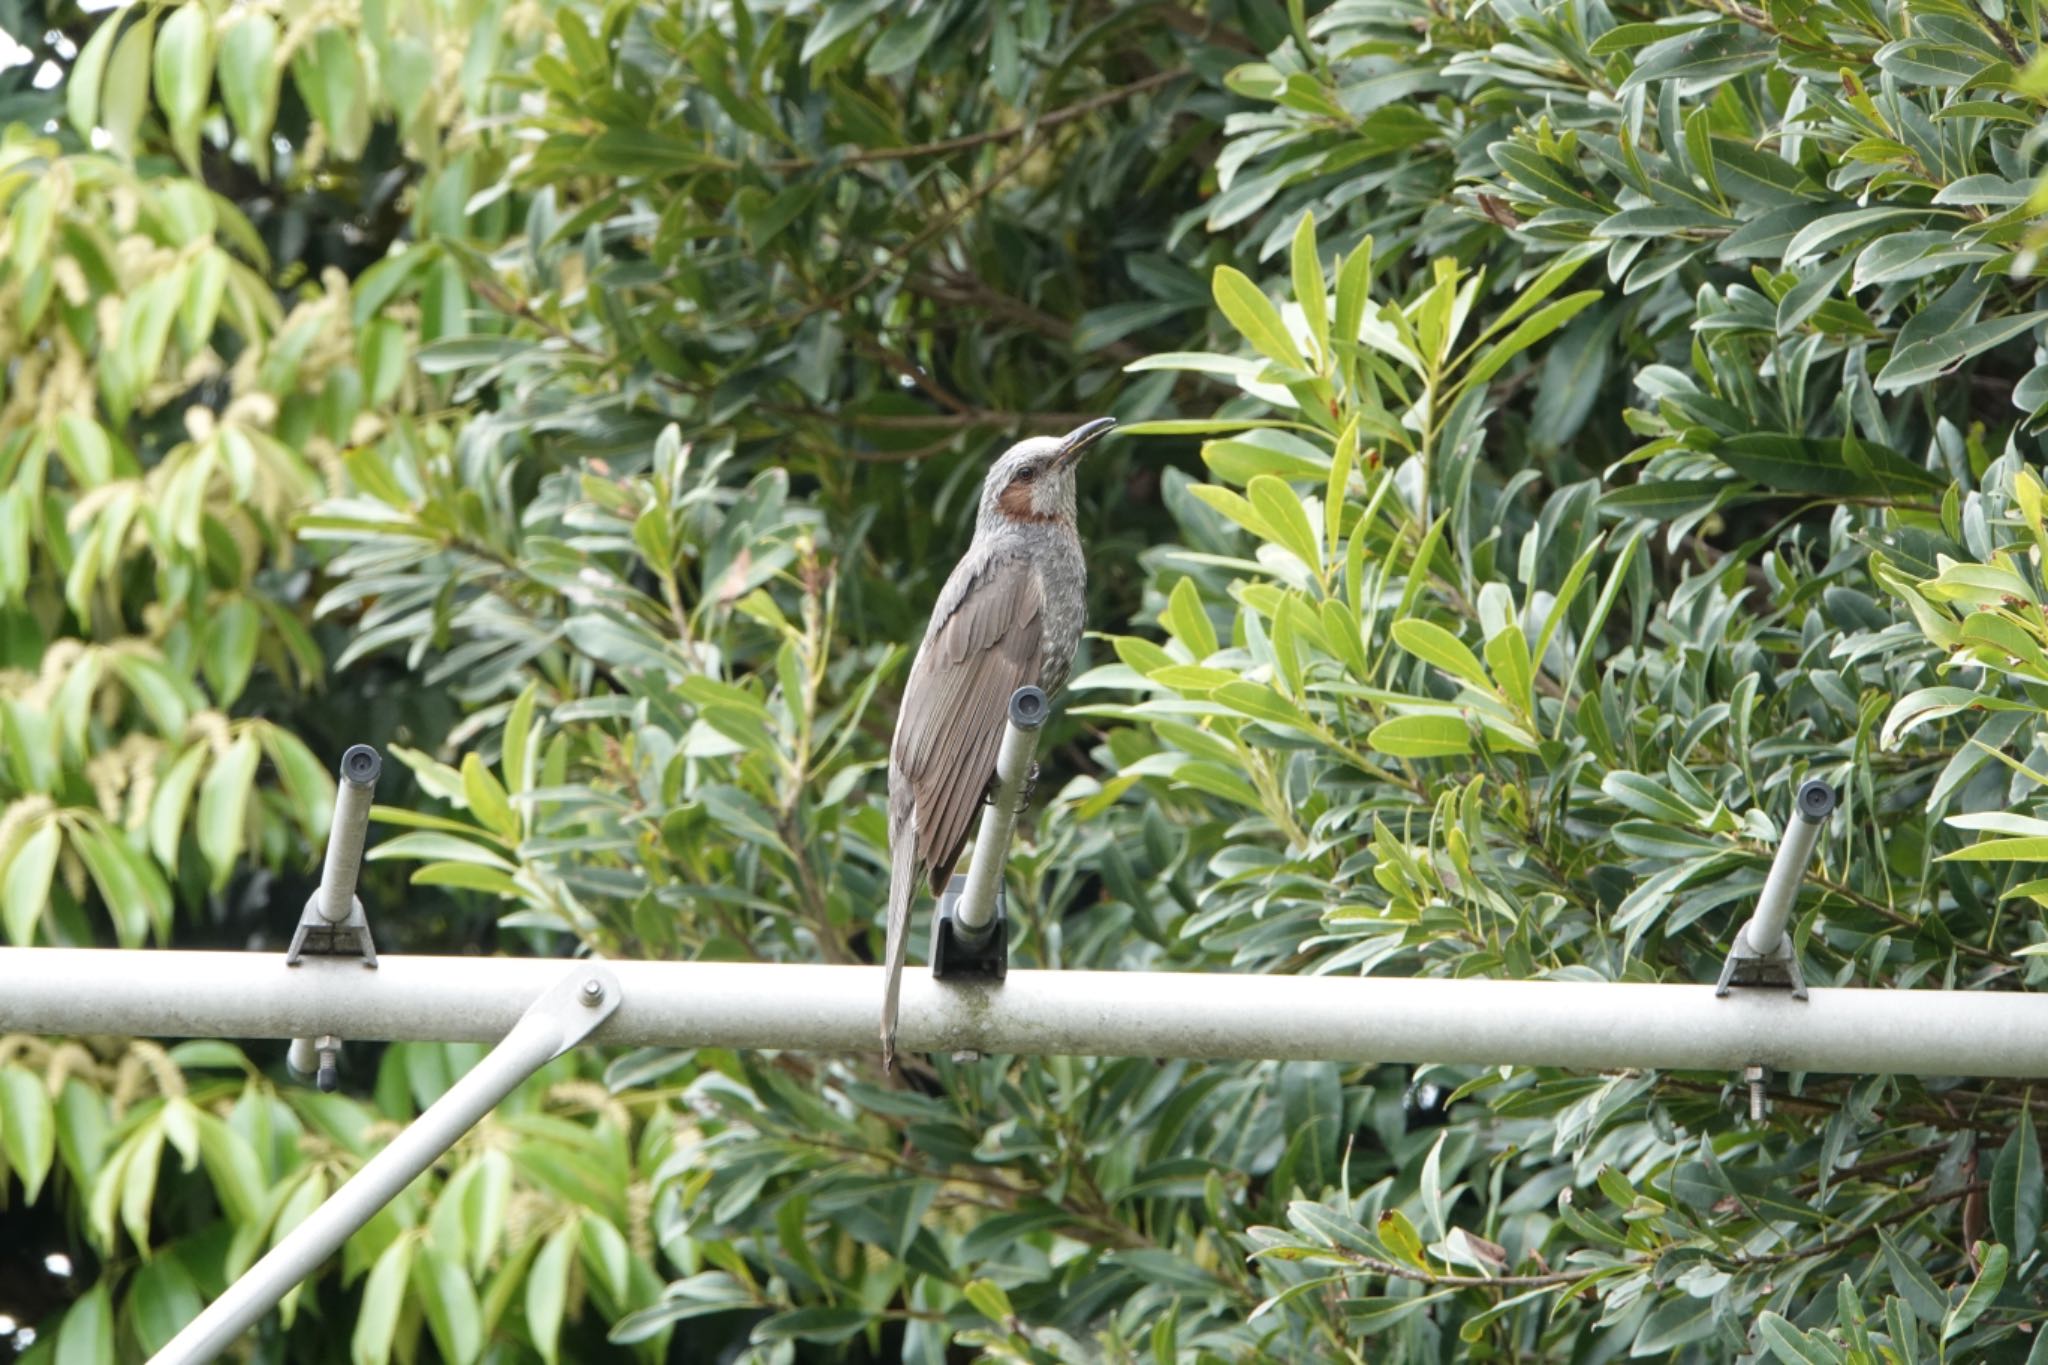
x,y
360,765
1816,800
593,991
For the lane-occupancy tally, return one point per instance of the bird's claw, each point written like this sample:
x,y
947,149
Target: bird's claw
x,y
1024,792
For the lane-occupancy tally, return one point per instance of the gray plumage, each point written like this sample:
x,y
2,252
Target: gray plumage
x,y
1010,616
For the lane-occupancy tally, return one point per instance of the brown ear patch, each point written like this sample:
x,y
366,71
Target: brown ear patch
x,y
1015,500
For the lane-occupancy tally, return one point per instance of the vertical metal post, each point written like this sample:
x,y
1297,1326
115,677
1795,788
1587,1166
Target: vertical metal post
x,y
348,832
970,933
977,907
561,1018
1762,954
333,922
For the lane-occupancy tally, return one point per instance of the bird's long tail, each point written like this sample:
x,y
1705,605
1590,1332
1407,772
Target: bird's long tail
x,y
902,891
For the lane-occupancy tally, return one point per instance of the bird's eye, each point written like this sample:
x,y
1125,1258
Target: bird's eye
x,y
1027,473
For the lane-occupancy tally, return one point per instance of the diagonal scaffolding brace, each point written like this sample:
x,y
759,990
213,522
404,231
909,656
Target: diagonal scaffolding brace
x,y
562,1017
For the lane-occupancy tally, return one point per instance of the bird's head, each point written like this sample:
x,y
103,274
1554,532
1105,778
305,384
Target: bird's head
x,y
1033,481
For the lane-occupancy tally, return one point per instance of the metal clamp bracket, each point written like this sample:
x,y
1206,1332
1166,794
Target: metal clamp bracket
x,y
1747,967
964,953
333,923
1762,953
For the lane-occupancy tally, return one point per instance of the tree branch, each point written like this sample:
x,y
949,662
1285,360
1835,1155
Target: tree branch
x,y
967,142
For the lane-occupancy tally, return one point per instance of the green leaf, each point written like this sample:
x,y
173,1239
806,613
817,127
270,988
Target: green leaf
x,y
1236,508
1400,1237
2033,848
1983,1291
1310,290
172,800
249,79
1377,1314
1530,331
1280,509
1929,358
224,807
453,1314
1259,702
383,1300
88,74
231,635
822,1324
487,799
1186,621
1424,736
1255,317
382,350
329,74
126,92
161,1300
517,744
431,845
28,1128
547,1290
304,779
1431,1187
138,1183
1207,426
1648,797
1507,655
1218,780
1793,1346
184,74
87,1334
1239,462
1354,281
25,889
237,1176
1802,464
989,1300
2016,1189
468,876
1434,645
1675,1321
130,888
1922,1296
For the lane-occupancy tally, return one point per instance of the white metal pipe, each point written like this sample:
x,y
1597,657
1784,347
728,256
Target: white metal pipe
x,y
561,1017
1766,926
348,832
800,1007
977,907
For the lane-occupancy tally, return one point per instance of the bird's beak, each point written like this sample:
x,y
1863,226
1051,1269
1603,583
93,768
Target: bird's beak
x,y
1081,437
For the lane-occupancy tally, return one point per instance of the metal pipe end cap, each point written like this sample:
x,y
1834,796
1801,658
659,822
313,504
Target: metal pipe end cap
x,y
1028,708
1816,800
360,766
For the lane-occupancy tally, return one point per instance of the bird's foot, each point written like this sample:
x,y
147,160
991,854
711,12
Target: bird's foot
x,y
1030,785
1024,792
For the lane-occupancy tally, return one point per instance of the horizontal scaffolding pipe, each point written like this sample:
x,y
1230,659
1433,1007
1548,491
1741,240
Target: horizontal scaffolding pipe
x,y
1581,1025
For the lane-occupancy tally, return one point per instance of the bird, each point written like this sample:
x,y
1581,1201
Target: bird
x,y
1009,616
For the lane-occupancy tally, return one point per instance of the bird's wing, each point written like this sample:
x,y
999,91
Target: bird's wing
x,y
985,642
